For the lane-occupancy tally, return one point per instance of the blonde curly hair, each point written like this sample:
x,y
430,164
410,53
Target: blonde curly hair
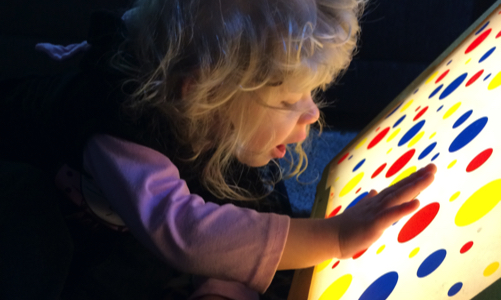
x,y
227,50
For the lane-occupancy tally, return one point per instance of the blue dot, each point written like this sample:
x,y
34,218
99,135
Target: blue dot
x,y
487,54
381,288
416,91
435,91
434,157
453,86
462,119
431,263
427,151
449,62
399,121
487,77
411,133
359,165
394,110
357,199
482,28
439,108
455,289
468,134
350,157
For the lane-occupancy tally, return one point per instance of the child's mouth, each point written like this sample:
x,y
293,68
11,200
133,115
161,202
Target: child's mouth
x,y
280,151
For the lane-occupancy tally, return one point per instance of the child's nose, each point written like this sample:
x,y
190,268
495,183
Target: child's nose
x,y
311,115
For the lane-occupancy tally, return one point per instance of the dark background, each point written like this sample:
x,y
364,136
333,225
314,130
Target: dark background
x,y
400,38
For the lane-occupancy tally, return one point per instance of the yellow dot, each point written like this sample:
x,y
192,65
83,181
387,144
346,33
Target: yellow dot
x,y
495,82
393,135
479,204
404,174
452,164
467,61
351,184
406,106
361,143
414,252
323,265
336,179
337,289
432,135
454,197
491,269
416,139
380,249
431,77
389,151
452,110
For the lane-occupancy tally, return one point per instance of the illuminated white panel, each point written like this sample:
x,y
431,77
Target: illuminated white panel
x,y
451,247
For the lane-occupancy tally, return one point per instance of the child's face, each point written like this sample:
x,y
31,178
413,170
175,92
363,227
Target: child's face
x,y
284,122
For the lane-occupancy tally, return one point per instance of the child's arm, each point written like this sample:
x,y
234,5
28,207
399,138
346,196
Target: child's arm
x,y
228,242
312,241
225,242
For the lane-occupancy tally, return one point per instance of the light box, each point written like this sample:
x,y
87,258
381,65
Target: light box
x,y
451,246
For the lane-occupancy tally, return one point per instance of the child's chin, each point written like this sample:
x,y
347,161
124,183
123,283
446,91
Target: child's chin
x,y
255,162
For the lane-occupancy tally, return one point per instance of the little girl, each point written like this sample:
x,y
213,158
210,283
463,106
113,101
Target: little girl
x,y
175,111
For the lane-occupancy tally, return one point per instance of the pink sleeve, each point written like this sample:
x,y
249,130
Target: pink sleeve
x,y
227,289
224,242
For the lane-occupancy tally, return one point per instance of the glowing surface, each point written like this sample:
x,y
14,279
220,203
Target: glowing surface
x,y
451,244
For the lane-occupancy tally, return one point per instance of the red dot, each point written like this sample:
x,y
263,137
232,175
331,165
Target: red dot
x,y
474,77
379,170
343,158
442,76
377,129
400,163
498,35
466,247
332,194
357,255
479,160
358,190
335,265
418,108
378,138
418,222
334,212
420,113
478,40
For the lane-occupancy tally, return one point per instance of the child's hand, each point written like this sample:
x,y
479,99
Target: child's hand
x,y
312,241
361,225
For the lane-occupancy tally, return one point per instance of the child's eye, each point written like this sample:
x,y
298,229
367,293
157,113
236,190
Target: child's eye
x,y
287,104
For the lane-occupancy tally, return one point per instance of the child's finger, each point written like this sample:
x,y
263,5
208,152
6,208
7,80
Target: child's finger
x,y
395,213
371,194
410,190
409,179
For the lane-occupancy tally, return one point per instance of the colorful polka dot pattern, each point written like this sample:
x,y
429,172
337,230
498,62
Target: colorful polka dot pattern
x,y
450,245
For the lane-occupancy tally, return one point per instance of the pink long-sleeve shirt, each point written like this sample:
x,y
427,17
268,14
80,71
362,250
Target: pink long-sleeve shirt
x,y
238,249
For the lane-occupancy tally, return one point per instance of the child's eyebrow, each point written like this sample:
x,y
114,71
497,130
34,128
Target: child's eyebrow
x,y
278,83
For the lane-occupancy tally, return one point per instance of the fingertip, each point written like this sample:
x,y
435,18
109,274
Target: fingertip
x,y
416,202
413,205
432,168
